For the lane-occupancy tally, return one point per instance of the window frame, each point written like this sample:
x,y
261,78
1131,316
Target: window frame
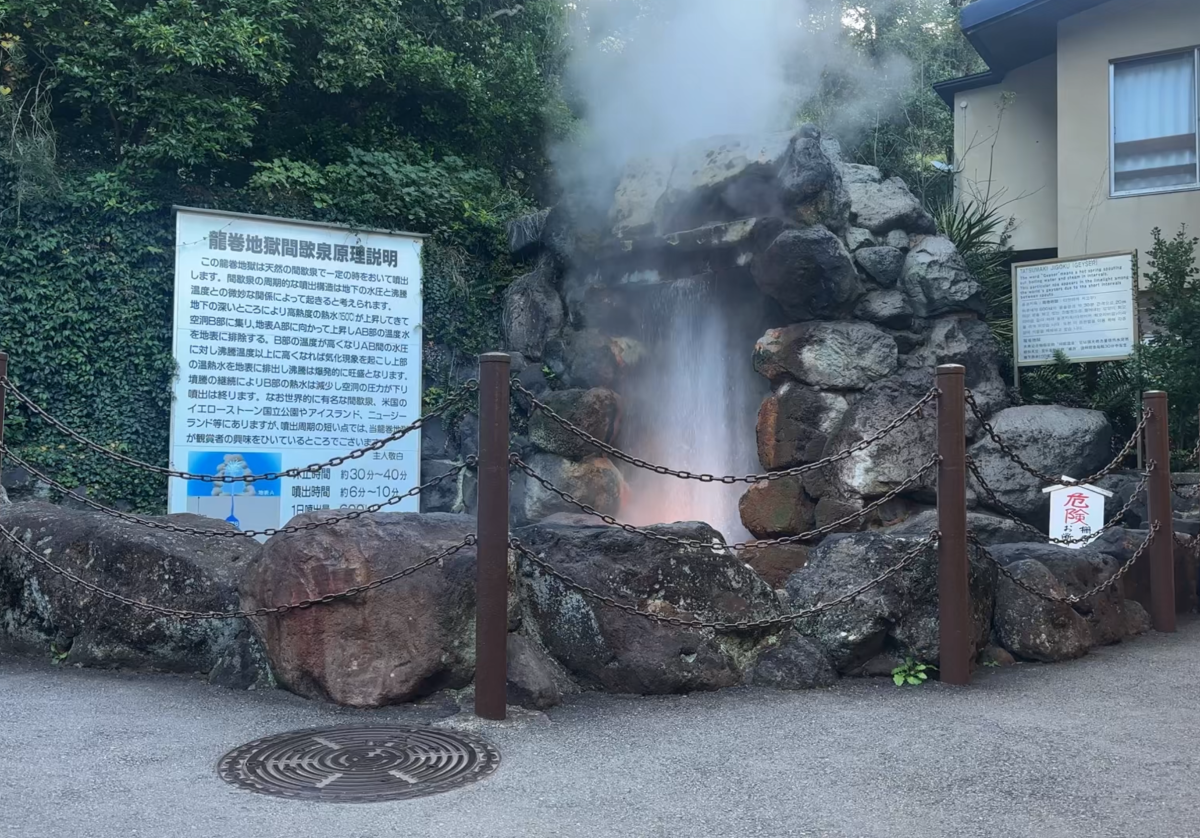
x,y
1112,124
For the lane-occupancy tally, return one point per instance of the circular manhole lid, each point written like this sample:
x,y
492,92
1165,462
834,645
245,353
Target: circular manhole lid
x,y
360,764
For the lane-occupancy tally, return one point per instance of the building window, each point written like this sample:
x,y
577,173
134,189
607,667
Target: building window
x,y
1154,124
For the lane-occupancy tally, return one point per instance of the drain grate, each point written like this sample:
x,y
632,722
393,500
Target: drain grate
x,y
360,764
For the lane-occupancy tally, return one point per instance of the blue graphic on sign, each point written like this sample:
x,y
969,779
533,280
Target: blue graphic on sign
x,y
221,464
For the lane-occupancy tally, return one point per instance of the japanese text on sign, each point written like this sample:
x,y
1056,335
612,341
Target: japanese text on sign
x,y
1082,307
295,343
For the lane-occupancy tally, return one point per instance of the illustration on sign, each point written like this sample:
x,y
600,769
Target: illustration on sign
x,y
296,342
1076,511
1083,307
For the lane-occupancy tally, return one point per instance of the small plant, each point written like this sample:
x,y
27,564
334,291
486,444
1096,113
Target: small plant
x,y
991,664
911,672
57,655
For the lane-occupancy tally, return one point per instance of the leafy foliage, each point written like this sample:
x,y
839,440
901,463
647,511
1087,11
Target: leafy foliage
x,y
981,234
1172,357
912,673
427,116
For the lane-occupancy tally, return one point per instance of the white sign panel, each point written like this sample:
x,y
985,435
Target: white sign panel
x,y
1077,512
296,342
1084,307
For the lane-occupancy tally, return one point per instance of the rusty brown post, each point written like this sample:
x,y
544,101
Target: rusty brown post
x,y
1162,551
491,552
954,602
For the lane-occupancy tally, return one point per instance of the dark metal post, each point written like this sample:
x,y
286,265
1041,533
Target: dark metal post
x,y
1162,551
491,562
954,600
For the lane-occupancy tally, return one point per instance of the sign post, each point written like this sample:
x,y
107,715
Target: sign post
x,y
296,342
1085,307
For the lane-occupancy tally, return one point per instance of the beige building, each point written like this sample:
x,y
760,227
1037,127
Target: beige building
x,y
1084,129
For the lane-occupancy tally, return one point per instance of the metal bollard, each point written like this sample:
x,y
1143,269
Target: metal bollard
x,y
491,551
1162,551
954,598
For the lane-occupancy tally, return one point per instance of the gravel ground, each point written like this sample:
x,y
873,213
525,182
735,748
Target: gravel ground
x,y
1104,746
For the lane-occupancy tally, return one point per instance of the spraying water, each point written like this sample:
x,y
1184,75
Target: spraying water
x,y
693,409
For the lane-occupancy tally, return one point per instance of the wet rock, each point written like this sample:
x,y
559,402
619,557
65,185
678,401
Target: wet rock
x,y
938,281
794,423
889,308
882,206
795,663
592,480
1054,440
1033,628
443,496
809,272
990,529
533,312
643,183
398,642
776,563
596,412
810,184
588,358
604,648
194,573
901,611
839,356
969,342
773,508
882,264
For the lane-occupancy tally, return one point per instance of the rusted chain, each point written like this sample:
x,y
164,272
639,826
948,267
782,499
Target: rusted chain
x,y
725,625
167,527
464,391
1073,599
637,462
1015,516
1042,476
184,615
678,541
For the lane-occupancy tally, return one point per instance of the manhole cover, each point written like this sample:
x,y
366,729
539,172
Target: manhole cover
x,y
360,764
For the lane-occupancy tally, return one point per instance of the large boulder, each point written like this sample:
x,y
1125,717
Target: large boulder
x,y
594,481
1079,571
42,613
1054,440
533,312
794,424
967,341
938,281
882,264
900,613
888,307
776,562
398,642
608,649
882,206
596,412
809,272
1032,627
832,356
794,662
989,529
773,508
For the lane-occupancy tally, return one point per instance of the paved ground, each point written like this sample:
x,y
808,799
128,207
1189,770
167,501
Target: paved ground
x,y
1105,746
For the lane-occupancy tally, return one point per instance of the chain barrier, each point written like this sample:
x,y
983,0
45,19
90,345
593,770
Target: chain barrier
x,y
637,462
678,541
1015,516
184,615
167,527
1073,599
1042,476
463,393
726,625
